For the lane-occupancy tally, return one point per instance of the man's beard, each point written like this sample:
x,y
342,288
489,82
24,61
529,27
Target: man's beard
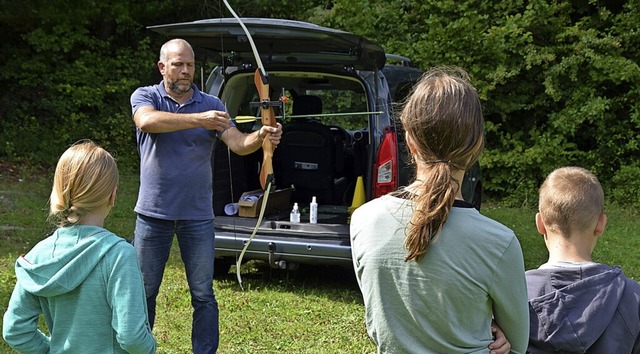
x,y
178,88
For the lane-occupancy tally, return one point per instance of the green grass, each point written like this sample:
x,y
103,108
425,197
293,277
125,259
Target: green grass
x,y
316,309
313,310
618,246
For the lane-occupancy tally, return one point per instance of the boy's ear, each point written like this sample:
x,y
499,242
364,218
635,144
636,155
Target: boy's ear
x,y
540,225
602,222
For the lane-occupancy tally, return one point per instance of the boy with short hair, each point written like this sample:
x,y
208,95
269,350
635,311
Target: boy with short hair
x,y
577,305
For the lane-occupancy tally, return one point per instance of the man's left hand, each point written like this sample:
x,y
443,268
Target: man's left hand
x,y
273,133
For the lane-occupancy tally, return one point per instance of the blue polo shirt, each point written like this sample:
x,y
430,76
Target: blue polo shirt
x,y
175,167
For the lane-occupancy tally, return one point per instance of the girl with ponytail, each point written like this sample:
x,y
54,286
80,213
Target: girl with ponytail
x,y
433,271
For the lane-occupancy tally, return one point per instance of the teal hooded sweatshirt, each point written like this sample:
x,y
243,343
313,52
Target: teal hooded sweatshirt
x,y
87,283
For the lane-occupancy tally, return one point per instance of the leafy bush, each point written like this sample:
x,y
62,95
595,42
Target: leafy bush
x,y
559,80
625,184
71,75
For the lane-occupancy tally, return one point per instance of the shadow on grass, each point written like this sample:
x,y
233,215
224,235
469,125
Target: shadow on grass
x,y
333,282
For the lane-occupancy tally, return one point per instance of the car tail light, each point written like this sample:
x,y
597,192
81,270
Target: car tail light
x,y
385,173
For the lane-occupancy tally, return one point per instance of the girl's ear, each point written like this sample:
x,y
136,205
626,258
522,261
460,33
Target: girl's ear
x,y
410,145
112,197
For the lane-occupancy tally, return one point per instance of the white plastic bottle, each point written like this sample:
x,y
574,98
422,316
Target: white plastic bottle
x,y
295,214
313,211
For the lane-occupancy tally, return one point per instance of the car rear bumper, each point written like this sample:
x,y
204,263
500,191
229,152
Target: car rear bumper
x,y
275,249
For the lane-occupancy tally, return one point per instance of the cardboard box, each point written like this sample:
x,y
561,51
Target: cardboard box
x,y
250,202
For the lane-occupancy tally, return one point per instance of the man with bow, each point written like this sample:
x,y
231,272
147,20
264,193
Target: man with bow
x,y
176,127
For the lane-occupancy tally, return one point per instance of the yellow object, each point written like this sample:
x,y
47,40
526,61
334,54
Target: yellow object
x,y
245,119
359,197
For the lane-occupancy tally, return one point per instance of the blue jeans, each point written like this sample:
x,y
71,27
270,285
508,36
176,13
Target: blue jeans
x,y
153,240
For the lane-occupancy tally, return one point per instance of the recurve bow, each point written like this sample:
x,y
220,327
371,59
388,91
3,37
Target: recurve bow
x,y
268,117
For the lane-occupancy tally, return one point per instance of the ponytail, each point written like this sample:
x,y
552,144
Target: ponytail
x,y
444,124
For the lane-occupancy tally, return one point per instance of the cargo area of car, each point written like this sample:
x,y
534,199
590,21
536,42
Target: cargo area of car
x,y
320,154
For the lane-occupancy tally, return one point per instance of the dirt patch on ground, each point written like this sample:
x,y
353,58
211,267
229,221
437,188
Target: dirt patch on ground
x,y
6,170
13,176
11,172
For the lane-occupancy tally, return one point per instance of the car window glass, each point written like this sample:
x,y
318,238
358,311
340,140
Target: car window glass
x,y
342,102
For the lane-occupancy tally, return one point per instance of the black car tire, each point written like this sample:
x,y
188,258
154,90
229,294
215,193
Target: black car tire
x,y
221,267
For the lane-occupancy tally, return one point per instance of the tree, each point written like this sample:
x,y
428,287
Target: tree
x,y
558,80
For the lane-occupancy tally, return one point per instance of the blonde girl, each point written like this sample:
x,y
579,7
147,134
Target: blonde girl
x,y
83,279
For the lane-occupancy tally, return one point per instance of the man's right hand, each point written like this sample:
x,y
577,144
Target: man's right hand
x,y
216,120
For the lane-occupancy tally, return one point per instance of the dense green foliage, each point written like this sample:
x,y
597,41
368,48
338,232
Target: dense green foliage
x,y
559,80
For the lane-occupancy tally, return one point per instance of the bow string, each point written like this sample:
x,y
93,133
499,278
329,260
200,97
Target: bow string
x,y
268,117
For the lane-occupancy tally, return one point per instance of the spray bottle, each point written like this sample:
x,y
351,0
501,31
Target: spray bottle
x,y
313,211
295,214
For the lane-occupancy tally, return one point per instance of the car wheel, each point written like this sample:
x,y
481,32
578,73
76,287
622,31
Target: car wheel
x,y
221,267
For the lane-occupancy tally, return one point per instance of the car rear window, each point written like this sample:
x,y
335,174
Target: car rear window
x,y
343,98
